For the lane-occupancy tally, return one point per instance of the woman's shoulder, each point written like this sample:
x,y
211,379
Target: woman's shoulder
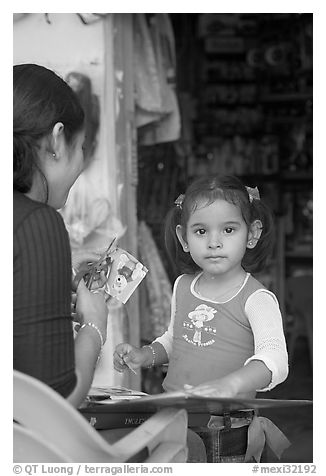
x,y
28,210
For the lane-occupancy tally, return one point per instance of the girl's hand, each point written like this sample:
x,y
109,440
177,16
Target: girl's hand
x,y
127,356
221,388
91,307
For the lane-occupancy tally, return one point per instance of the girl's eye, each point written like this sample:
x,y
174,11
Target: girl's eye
x,y
229,230
201,231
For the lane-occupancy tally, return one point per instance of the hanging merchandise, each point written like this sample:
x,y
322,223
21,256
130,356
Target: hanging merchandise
x,y
91,221
88,215
155,293
168,127
148,98
81,84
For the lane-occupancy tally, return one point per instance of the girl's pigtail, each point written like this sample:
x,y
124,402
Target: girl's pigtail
x,y
256,259
171,241
181,261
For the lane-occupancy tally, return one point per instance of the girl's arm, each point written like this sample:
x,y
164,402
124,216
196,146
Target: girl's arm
x,y
127,356
240,383
157,353
266,321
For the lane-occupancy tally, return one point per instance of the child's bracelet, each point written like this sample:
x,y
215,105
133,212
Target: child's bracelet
x,y
154,355
93,326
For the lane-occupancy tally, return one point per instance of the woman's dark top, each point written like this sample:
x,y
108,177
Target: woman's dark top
x,y
43,338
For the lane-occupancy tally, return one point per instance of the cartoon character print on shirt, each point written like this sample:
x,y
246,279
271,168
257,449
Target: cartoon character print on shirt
x,y
202,331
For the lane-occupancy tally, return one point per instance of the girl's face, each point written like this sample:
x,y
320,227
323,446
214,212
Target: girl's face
x,y
216,237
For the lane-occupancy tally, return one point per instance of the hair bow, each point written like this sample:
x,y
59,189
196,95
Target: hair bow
x,y
179,201
253,194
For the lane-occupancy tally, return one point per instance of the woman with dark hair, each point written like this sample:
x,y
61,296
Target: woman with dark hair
x,y
48,157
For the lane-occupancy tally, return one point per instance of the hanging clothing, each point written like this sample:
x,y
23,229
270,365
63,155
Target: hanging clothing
x,y
92,224
167,126
148,99
156,291
88,215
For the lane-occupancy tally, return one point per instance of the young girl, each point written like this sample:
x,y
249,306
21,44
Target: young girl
x,y
225,338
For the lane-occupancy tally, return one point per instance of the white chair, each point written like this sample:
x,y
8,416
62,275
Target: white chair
x,y
48,429
29,447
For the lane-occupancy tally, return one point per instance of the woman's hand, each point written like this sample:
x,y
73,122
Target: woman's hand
x,y
80,258
73,307
91,307
81,262
127,356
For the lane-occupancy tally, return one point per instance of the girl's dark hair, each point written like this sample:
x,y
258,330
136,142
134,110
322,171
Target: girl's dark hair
x,y
207,190
41,99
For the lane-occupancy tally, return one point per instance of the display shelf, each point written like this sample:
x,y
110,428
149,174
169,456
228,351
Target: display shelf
x,y
276,152
299,255
287,98
300,175
259,178
284,120
293,97
236,81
